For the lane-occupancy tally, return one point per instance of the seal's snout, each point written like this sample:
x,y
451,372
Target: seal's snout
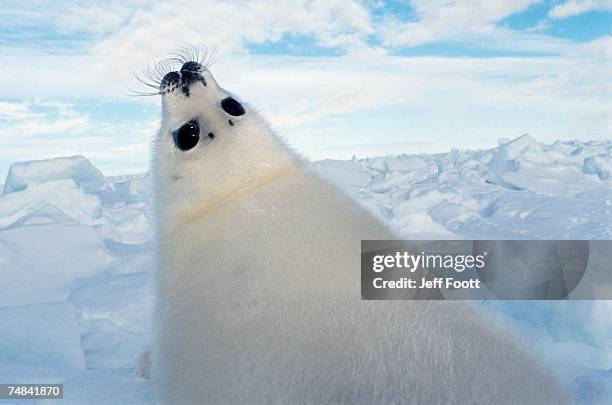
x,y
191,72
191,67
170,82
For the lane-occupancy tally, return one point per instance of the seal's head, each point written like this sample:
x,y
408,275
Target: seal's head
x,y
211,146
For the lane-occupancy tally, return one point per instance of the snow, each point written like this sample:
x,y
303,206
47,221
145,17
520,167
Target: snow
x,y
76,255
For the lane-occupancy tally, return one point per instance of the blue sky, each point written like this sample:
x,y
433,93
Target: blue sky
x,y
335,78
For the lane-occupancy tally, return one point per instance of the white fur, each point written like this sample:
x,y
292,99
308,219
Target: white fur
x,y
259,288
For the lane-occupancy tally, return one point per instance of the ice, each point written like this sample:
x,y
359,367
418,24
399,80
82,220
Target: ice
x,y
106,387
520,190
39,344
127,223
524,145
25,174
72,191
45,260
348,173
61,196
76,296
600,165
116,326
134,189
594,388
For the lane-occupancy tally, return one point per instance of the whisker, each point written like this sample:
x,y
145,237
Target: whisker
x,y
189,53
212,58
177,60
145,83
153,74
136,93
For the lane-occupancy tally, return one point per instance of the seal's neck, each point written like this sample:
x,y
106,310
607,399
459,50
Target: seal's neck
x,y
198,211
181,201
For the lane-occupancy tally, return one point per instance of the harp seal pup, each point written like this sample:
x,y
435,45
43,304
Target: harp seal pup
x,y
259,282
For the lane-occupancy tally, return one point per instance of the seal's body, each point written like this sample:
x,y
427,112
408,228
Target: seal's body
x,y
259,282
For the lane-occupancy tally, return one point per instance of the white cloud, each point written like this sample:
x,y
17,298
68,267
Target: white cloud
x,y
22,120
15,111
96,18
68,16
297,94
148,33
228,26
444,20
135,37
576,7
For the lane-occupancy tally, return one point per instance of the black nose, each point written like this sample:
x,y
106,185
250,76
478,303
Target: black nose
x,y
191,67
189,74
169,82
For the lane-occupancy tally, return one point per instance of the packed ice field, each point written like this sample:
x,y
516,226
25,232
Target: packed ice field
x,y
76,260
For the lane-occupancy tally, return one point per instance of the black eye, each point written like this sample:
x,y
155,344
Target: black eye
x,y
187,136
231,106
